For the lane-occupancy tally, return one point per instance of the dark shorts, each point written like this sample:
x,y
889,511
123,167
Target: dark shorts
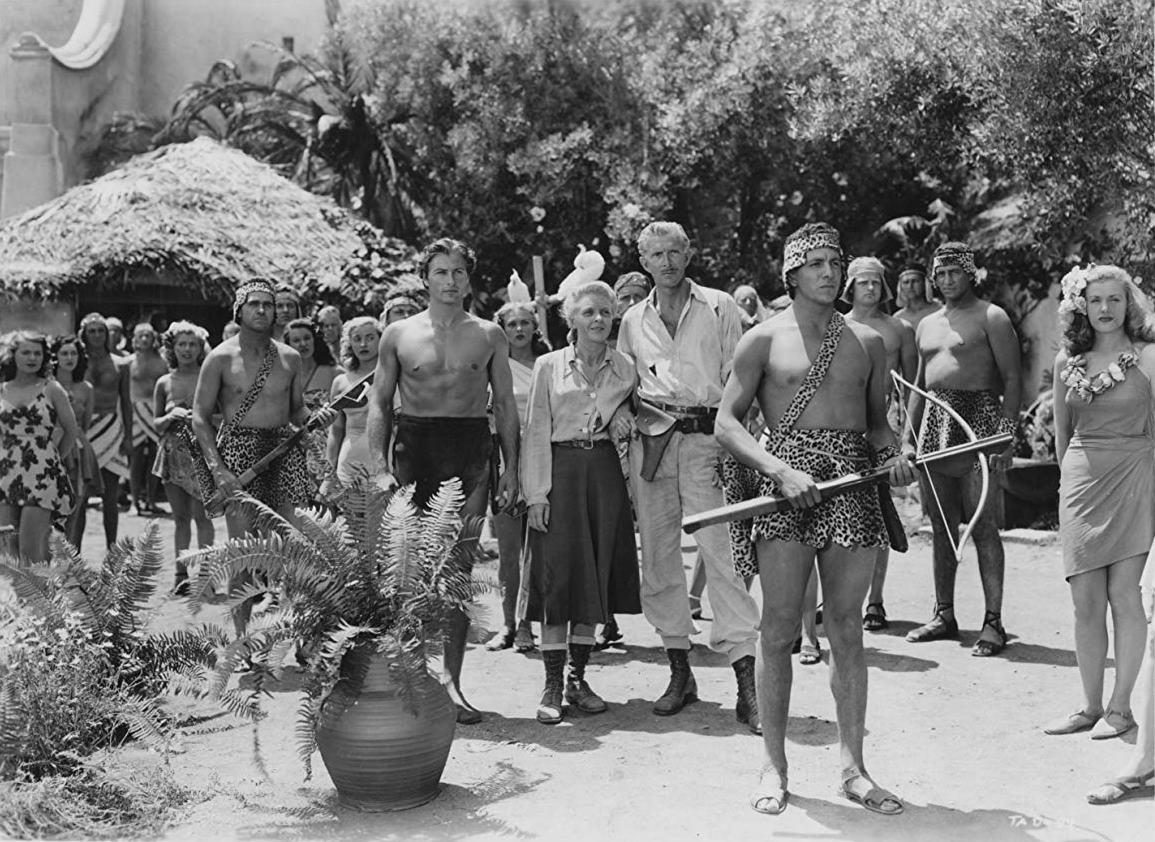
x,y
428,451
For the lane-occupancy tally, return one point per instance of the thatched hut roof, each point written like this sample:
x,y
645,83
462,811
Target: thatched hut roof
x,y
199,212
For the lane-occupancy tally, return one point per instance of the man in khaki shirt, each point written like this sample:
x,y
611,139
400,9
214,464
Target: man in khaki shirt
x,y
682,338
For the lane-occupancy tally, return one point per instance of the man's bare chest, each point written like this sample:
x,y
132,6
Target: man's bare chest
x,y
424,357
104,376
958,338
241,376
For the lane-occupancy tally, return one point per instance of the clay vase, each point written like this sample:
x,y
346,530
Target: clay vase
x,y
380,756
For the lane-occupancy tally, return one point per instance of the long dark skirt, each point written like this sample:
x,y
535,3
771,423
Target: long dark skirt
x,y
584,568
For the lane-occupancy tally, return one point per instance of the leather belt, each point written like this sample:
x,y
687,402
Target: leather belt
x,y
697,424
583,444
696,411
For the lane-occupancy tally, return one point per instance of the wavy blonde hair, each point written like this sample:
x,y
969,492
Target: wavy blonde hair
x,y
1139,324
348,358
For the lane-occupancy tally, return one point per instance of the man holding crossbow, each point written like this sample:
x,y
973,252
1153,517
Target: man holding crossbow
x,y
821,384
255,383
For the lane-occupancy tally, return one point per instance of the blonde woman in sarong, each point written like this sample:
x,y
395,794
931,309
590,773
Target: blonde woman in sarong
x,y
1105,441
183,348
519,321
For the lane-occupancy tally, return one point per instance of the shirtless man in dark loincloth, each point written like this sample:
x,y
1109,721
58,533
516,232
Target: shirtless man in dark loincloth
x,y
827,418
443,362
111,428
255,383
969,358
866,291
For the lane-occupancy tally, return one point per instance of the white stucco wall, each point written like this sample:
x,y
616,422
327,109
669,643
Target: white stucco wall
x,y
182,38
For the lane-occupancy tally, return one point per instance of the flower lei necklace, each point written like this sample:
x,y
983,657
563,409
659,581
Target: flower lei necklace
x,y
1074,375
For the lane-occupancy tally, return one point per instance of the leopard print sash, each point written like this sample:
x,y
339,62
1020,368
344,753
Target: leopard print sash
x,y
253,393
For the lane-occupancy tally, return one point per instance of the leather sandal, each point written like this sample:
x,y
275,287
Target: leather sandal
x,y
1114,723
875,798
875,618
993,637
939,627
770,797
1121,789
810,654
1073,723
523,640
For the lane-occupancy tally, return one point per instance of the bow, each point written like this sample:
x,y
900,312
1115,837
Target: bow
x,y
984,469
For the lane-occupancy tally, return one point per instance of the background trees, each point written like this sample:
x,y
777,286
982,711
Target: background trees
x,y
530,126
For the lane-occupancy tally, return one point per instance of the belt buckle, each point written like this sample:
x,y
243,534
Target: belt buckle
x,y
587,444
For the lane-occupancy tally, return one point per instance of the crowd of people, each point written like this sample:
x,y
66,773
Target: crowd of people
x,y
667,399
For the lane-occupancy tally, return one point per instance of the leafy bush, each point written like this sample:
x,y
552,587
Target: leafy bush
x,y
77,671
1038,425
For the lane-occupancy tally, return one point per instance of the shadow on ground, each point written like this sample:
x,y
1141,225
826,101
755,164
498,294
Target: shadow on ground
x,y
933,821
457,813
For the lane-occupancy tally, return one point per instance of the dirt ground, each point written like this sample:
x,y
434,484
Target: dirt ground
x,y
957,737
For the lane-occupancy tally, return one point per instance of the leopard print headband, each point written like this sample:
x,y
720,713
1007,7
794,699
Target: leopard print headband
x,y
962,258
248,288
796,249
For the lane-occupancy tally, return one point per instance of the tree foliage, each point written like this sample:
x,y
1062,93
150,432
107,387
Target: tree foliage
x,y
533,126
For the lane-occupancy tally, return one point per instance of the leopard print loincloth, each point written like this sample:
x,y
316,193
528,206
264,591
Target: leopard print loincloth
x,y
284,486
850,519
981,408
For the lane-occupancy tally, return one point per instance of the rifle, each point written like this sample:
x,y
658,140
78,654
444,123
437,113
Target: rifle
x,y
766,505
354,396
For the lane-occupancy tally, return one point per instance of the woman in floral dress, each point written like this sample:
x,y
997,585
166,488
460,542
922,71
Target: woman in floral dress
x,y
37,426
1105,440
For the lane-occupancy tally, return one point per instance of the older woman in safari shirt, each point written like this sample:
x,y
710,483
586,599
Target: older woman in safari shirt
x,y
583,565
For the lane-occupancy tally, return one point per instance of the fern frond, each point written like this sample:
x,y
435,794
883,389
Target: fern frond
x,y
262,518
308,712
190,680
243,704
397,546
32,590
329,535
12,723
133,583
440,522
146,723
159,653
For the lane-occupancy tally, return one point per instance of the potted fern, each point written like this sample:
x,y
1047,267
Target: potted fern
x,y
364,598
